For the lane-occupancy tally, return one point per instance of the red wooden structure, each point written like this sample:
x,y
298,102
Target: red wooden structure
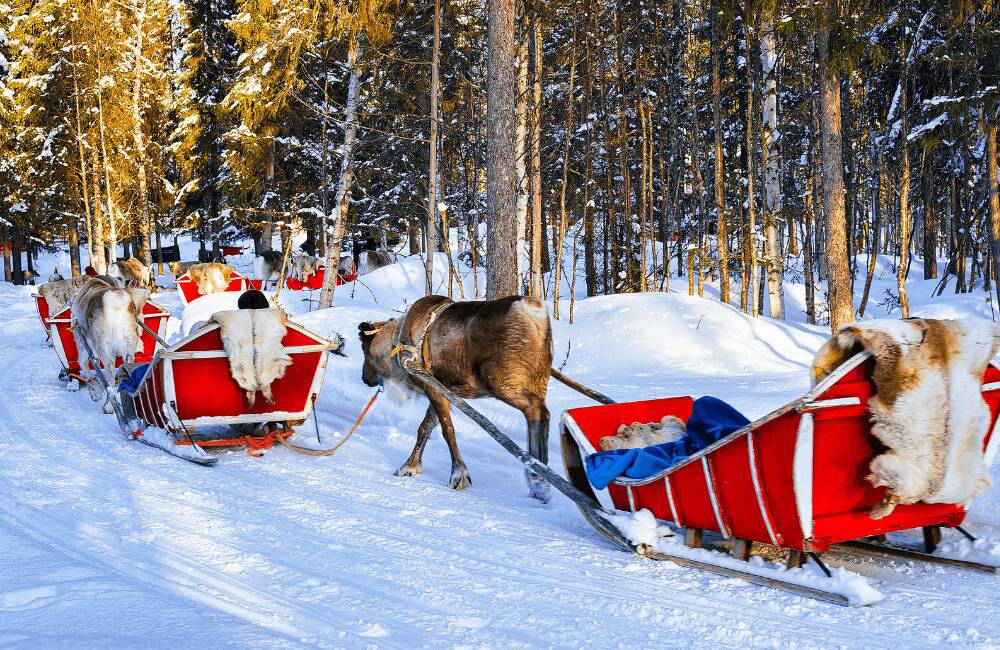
x,y
794,478
232,250
315,281
64,343
188,290
189,386
42,309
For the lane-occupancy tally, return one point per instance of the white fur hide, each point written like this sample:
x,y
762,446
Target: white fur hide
x,y
252,340
928,407
638,435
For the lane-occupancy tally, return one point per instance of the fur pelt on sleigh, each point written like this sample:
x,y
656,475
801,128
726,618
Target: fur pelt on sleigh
x,y
927,409
252,341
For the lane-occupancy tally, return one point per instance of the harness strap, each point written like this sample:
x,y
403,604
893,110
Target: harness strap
x,y
421,347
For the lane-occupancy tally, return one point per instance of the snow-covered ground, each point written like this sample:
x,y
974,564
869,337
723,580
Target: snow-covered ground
x,y
108,543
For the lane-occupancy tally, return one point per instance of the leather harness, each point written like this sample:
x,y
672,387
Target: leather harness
x,y
421,348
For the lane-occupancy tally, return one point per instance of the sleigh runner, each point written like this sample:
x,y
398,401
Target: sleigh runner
x,y
794,479
152,316
187,396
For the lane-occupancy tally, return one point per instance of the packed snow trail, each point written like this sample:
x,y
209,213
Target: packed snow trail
x,y
111,543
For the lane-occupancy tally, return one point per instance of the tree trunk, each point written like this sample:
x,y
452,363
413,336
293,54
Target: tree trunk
x,y
561,226
101,261
142,191
73,237
878,206
930,221
807,249
750,237
270,193
520,145
841,300
432,167
721,235
538,240
335,242
990,129
5,251
501,166
15,244
772,168
324,191
589,257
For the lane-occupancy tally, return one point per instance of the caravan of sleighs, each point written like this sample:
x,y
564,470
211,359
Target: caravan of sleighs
x,y
897,433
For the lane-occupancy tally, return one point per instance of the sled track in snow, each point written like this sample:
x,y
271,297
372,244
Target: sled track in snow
x,y
302,523
203,584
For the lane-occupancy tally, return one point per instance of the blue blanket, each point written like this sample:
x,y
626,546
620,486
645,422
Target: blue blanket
x,y
131,383
711,420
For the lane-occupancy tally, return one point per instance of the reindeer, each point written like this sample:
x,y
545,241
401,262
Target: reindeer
x,y
498,348
107,315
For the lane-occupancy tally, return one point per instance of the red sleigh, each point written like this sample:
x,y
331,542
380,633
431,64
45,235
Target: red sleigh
x,y
188,393
315,281
64,343
794,479
187,289
42,309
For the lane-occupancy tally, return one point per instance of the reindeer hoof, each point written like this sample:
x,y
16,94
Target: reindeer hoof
x,y
108,408
538,488
95,389
460,479
409,470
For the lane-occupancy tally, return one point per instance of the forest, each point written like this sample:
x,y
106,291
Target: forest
x,y
640,146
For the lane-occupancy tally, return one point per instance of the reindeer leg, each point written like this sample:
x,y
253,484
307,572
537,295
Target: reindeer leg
x,y
459,472
537,415
108,371
414,464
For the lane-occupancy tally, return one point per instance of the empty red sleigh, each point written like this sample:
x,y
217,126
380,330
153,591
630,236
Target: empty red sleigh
x,y
315,281
794,479
187,289
188,390
64,343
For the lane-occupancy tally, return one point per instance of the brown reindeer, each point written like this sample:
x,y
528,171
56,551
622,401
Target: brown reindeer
x,y
497,348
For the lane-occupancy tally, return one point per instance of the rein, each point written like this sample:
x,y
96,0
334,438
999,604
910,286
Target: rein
x,y
306,451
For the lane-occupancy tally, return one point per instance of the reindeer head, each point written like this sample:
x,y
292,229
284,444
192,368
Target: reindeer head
x,y
376,344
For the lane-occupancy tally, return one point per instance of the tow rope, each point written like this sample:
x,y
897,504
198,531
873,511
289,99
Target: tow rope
x,y
306,451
